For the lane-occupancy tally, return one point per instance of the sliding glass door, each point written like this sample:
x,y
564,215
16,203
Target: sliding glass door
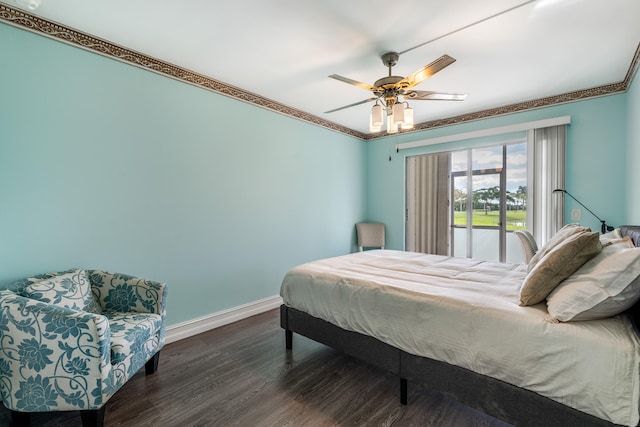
x,y
488,193
465,203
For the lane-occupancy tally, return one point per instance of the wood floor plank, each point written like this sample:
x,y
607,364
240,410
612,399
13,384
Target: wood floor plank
x,y
241,375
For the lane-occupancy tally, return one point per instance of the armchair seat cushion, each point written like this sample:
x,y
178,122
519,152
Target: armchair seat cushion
x,y
134,339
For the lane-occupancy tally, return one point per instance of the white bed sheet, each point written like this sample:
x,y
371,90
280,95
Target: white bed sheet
x,y
466,312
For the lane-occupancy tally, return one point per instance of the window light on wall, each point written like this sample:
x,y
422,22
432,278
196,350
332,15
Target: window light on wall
x,y
29,4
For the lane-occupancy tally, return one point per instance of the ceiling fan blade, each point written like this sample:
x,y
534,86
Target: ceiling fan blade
x,y
426,72
435,96
351,105
352,82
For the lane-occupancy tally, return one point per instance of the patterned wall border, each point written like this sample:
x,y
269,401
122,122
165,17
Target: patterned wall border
x,y
24,20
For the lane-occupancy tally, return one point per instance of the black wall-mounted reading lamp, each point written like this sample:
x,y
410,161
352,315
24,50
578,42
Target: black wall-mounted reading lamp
x,y
605,227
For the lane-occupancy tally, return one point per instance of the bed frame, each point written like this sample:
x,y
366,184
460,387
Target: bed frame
x,y
494,397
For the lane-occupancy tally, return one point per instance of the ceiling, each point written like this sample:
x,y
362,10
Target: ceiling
x,y
506,51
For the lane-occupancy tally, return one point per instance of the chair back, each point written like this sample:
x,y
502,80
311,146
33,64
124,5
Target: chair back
x,y
370,235
527,244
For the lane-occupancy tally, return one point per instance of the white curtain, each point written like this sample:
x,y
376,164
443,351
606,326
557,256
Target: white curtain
x,y
427,214
545,210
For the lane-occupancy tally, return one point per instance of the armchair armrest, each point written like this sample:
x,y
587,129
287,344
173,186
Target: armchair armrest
x,y
51,358
125,293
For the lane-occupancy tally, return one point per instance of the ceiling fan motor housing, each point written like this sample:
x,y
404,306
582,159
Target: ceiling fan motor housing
x,y
390,59
388,86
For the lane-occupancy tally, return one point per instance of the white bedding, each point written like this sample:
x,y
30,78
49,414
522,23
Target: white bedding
x,y
466,312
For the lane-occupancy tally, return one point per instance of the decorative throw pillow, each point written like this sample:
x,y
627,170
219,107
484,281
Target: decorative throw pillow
x,y
604,286
70,290
625,242
558,264
562,234
611,235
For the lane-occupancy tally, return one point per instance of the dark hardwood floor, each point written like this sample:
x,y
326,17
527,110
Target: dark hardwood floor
x,y
241,375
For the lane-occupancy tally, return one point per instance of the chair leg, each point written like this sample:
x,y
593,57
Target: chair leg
x,y
20,419
94,417
152,364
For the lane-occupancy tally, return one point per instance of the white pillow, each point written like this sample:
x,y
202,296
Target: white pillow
x,y
604,286
612,236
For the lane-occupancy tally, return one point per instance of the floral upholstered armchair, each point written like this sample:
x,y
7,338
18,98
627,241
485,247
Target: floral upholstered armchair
x,y
70,340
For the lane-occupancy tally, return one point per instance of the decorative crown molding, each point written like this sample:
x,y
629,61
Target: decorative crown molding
x,y
27,21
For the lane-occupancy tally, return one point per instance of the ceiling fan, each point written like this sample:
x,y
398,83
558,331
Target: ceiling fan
x,y
389,90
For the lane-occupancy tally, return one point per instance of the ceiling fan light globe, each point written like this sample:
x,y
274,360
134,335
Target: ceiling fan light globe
x,y
376,115
392,127
398,113
408,118
374,129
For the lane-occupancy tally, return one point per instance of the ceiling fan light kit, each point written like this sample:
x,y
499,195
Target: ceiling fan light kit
x,y
398,117
391,93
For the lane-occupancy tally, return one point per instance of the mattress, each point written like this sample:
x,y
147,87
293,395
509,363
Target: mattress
x,y
466,312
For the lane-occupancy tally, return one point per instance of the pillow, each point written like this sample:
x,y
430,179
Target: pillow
x,y
625,242
604,286
70,290
558,264
565,232
611,235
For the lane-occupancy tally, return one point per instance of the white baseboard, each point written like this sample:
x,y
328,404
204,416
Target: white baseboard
x,y
221,318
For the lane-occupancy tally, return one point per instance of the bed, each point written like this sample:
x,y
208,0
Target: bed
x,y
458,326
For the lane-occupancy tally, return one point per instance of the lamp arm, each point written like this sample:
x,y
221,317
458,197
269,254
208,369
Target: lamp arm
x,y
604,227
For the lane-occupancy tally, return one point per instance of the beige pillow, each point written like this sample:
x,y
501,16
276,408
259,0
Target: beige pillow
x,y
558,264
559,237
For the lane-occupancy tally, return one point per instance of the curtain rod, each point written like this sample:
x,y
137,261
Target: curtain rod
x,y
537,124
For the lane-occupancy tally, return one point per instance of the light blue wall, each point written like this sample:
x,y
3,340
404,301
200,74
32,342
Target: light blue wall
x,y
104,165
596,165
633,156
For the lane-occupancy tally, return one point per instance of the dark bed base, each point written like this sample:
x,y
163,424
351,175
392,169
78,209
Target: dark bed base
x,y
497,398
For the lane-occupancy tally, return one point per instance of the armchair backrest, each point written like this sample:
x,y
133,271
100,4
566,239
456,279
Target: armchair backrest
x,y
527,244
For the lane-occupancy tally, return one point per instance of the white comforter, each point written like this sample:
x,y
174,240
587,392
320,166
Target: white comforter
x,y
466,312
